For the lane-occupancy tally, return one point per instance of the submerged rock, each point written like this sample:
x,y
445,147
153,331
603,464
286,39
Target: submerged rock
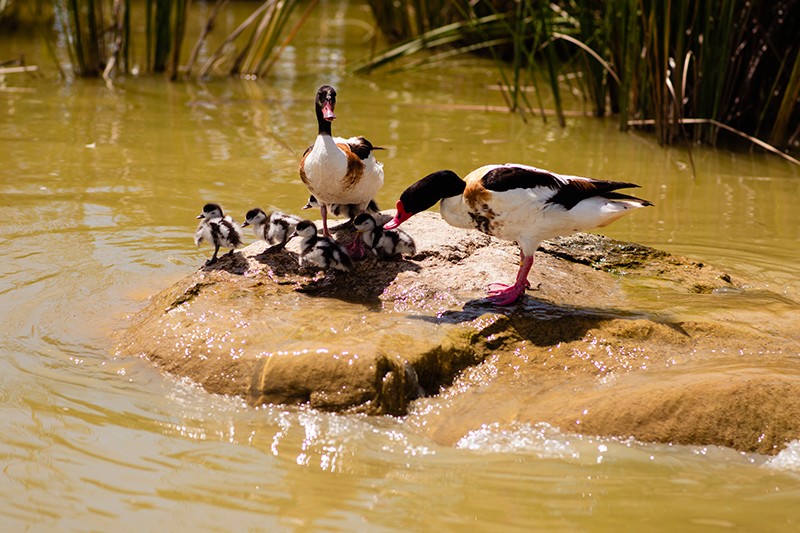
x,y
615,339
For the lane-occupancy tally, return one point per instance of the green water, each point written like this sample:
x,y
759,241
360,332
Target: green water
x,y
99,188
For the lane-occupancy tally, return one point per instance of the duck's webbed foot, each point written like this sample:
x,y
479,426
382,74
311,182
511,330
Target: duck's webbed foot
x,y
356,249
506,294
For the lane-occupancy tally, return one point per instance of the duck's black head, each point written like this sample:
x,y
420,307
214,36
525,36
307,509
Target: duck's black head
x,y
305,228
253,212
425,193
364,222
250,217
211,211
325,105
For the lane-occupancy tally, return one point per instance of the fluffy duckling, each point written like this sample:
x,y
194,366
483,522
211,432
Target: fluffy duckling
x,y
275,228
218,229
384,243
323,251
344,210
337,170
518,203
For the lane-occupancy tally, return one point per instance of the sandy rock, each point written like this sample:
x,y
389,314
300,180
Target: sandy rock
x,y
614,339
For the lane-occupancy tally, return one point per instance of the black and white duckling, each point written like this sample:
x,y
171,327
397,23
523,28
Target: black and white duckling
x,y
275,228
218,229
384,243
518,203
337,170
320,251
344,210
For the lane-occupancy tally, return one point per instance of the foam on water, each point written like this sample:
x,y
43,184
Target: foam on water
x,y
541,439
787,459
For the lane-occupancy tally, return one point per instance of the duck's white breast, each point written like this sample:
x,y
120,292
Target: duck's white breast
x,y
325,164
333,181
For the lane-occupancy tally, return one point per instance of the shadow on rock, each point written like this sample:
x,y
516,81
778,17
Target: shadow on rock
x,y
364,285
235,263
545,323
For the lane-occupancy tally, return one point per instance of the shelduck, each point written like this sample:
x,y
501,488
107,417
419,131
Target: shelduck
x,y
518,203
385,243
337,170
320,251
275,228
218,229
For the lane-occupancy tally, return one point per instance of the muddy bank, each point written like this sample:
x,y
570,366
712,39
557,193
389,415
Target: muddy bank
x,y
613,339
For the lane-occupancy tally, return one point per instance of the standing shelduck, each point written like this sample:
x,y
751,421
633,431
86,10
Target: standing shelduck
x,y
518,203
218,229
337,170
275,228
322,252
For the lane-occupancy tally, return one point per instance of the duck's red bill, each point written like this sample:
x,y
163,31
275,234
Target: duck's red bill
x,y
401,216
327,112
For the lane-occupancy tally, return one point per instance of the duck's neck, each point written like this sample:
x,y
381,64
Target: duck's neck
x,y
442,186
375,235
324,125
456,212
367,237
307,243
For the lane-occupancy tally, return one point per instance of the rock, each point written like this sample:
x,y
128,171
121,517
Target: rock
x,y
615,339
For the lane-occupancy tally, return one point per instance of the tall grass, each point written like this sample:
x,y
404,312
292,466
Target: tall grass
x,y
512,37
165,26
679,66
99,34
80,22
263,45
414,18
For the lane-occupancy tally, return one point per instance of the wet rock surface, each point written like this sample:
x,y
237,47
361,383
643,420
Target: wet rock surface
x,y
614,339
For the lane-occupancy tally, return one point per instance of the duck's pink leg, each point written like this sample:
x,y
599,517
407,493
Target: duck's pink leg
x,y
356,249
509,294
323,211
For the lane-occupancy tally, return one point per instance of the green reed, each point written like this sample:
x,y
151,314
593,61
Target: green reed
x,y
80,20
679,66
99,34
165,26
413,18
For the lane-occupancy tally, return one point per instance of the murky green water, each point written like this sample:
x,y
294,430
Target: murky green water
x,y
99,189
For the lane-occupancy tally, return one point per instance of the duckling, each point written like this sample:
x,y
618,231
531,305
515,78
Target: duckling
x,y
275,228
323,252
218,229
342,210
384,243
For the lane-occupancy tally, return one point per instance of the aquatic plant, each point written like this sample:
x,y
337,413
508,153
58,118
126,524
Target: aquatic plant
x,y
165,26
98,36
680,67
7,10
263,45
400,21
